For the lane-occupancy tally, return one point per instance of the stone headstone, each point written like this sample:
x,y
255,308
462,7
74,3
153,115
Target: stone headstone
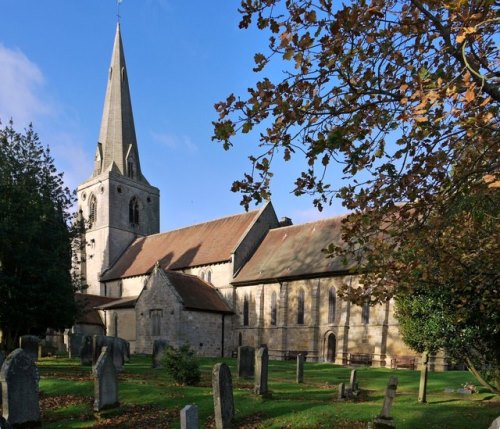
x,y
246,362
261,371
30,343
222,388
342,394
19,381
105,382
354,381
116,346
159,347
300,368
86,350
74,344
384,419
495,424
189,417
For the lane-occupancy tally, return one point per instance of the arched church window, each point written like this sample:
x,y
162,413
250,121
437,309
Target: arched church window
x,y
92,209
209,276
202,275
365,312
332,303
133,211
273,308
300,307
246,311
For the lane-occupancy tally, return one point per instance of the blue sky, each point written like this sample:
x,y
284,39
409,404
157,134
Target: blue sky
x,y
182,57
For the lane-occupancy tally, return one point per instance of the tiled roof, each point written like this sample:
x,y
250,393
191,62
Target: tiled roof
x,y
294,251
205,243
128,302
196,294
87,303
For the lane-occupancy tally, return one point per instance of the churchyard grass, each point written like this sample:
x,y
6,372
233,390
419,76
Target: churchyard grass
x,y
147,395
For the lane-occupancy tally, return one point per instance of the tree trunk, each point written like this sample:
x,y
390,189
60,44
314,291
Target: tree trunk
x,y
422,389
472,369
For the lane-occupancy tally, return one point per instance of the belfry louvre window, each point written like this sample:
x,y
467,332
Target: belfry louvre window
x,y
300,308
155,316
133,211
92,209
332,303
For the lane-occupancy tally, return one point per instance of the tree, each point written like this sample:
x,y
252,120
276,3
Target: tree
x,y
35,248
403,96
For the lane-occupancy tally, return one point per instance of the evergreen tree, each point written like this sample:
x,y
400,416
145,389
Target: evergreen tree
x,y
36,285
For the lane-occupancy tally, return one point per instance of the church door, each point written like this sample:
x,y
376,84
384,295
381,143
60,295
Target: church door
x,y
331,348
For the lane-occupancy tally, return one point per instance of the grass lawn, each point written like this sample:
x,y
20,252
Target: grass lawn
x,y
150,399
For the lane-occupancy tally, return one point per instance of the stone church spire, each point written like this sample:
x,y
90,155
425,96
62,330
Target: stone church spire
x,y
117,146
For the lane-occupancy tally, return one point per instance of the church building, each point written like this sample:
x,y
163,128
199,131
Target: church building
x,y
245,279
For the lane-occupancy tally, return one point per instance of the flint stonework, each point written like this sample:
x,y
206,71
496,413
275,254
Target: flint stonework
x,y
105,382
222,387
19,380
246,362
261,371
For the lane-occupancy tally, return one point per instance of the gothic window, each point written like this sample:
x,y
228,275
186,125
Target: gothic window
x,y
300,307
365,312
273,308
246,310
92,209
209,276
155,316
133,211
202,275
332,303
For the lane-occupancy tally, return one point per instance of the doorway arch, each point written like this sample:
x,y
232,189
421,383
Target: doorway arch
x,y
331,347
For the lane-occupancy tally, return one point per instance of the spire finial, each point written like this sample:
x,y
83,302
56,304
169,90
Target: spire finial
x,y
118,3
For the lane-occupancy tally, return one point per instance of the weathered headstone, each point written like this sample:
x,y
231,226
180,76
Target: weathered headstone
x,y
246,362
30,343
422,388
74,344
300,368
384,419
159,347
222,387
19,381
342,394
86,350
189,417
495,424
354,381
116,346
261,371
105,382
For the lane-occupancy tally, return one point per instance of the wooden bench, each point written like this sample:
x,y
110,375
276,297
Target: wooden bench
x,y
403,362
360,359
292,354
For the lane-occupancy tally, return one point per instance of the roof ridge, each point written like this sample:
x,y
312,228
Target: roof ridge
x,y
281,228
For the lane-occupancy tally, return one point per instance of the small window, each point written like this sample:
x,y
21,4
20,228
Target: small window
x,y
133,211
273,308
130,168
155,316
332,303
202,275
209,276
365,312
92,209
300,308
246,311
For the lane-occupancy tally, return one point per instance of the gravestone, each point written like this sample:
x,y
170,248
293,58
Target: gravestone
x,y
116,346
384,419
159,347
30,343
189,417
354,381
222,388
261,371
105,382
75,342
342,394
19,381
300,368
246,362
86,350
495,424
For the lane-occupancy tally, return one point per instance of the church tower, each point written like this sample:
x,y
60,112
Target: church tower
x,y
117,201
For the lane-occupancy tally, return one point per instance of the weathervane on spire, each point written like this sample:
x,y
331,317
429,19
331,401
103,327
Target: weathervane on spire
x,y
118,3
